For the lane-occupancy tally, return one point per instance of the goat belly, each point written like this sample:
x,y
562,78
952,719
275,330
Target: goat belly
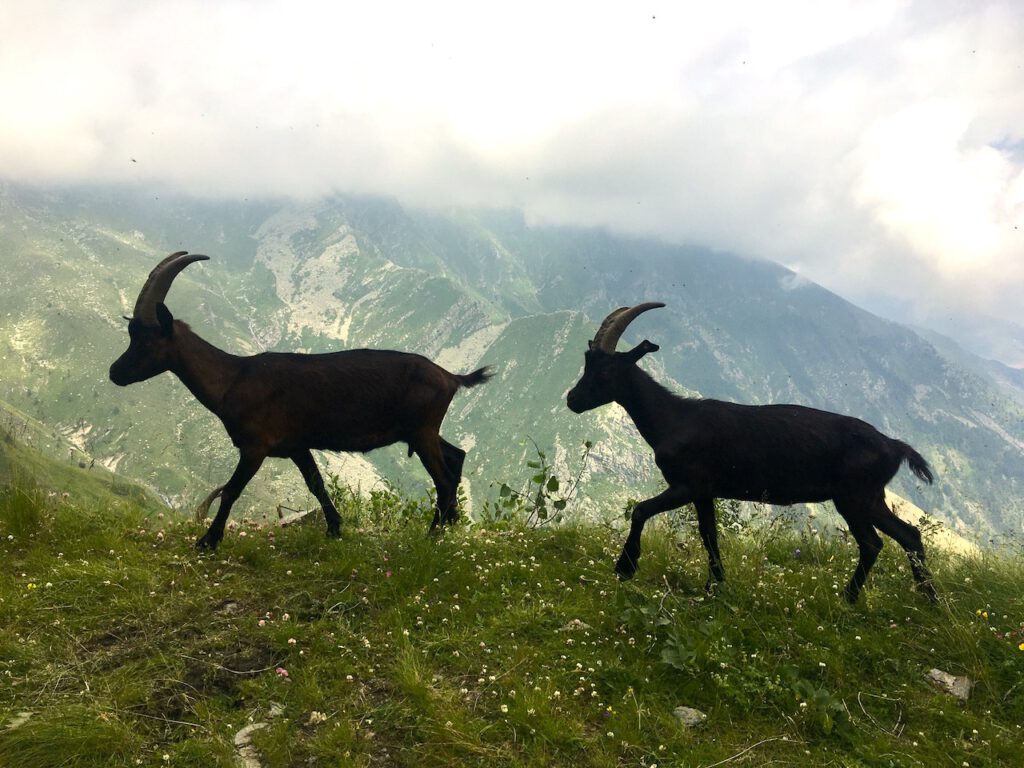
x,y
781,497
795,488
357,441
787,498
333,431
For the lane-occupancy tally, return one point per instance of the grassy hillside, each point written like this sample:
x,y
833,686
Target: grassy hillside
x,y
27,451
496,645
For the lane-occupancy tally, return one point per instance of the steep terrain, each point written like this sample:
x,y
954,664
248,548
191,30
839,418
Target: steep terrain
x,y
466,288
34,456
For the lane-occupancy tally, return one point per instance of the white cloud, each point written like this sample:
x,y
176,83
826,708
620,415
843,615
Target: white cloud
x,y
870,145
956,202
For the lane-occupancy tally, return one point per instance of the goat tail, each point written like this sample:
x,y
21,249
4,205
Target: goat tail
x,y
916,462
479,376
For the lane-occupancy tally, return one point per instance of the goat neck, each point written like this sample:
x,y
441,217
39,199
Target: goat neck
x,y
207,371
647,402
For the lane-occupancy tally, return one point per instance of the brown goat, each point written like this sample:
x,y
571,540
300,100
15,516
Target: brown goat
x,y
284,405
779,454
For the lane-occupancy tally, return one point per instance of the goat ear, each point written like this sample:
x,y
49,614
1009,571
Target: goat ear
x,y
163,316
641,349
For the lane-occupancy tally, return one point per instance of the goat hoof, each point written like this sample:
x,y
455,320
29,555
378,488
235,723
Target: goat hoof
x,y
625,569
928,591
851,595
334,532
207,543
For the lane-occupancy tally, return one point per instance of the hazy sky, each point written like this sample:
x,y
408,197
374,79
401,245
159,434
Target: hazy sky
x,y
875,147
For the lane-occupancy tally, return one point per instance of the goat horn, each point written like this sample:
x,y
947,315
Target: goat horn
x,y
611,329
159,282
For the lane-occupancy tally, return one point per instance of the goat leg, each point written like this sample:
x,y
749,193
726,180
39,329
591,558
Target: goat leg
x,y
248,465
454,457
708,527
671,498
908,537
869,543
922,576
431,454
315,482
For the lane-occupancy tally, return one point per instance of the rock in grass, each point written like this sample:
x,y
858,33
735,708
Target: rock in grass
x,y
574,625
690,717
951,684
18,720
246,755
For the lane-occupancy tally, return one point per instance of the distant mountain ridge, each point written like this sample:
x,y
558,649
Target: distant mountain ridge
x,y
466,288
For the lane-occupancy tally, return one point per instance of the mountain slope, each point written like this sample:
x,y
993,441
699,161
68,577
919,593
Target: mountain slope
x,y
466,288
755,332
38,461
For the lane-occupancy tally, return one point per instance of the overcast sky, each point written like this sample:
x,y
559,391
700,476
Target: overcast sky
x,y
874,147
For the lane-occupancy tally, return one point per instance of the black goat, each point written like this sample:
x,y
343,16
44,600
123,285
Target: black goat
x,y
284,405
779,454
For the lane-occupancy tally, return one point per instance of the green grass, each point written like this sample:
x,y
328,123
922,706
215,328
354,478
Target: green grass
x,y
23,465
502,647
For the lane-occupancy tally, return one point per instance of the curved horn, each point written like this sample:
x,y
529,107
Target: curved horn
x,y
611,329
159,282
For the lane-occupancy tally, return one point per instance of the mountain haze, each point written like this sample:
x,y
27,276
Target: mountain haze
x,y
466,288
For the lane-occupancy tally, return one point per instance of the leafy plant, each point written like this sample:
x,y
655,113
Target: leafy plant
x,y
678,652
384,506
543,498
642,614
823,711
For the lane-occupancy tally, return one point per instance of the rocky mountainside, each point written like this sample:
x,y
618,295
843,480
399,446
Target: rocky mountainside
x,y
466,288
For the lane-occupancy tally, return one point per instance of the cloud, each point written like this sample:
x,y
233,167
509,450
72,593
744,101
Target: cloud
x,y
873,147
794,282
